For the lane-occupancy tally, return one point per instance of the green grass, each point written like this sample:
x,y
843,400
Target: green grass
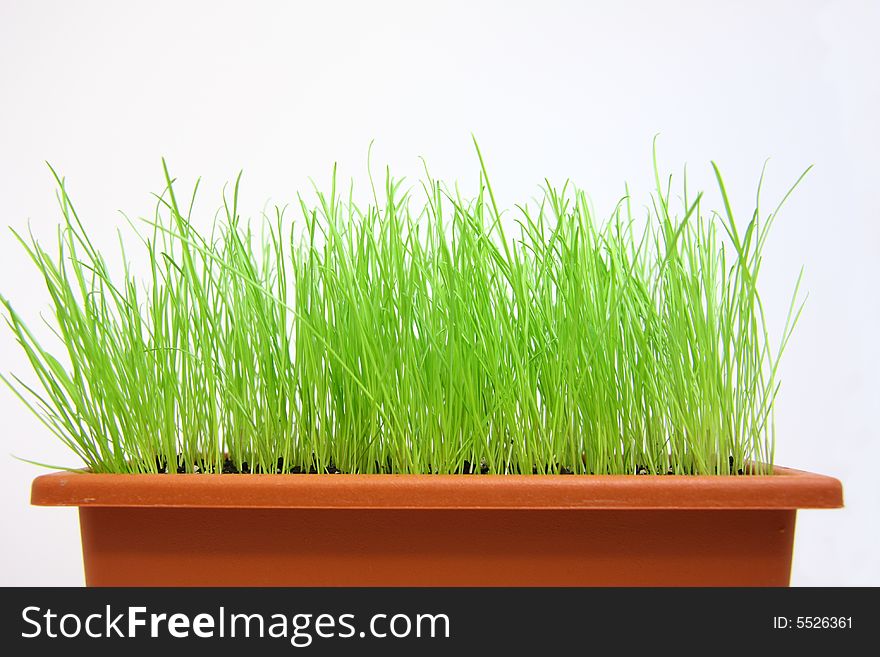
x,y
424,333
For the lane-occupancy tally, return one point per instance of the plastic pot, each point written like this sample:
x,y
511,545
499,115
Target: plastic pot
x,y
437,530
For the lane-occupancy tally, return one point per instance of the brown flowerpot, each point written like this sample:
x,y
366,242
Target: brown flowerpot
x,y
437,530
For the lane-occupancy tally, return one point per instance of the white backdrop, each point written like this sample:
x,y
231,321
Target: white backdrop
x,y
103,90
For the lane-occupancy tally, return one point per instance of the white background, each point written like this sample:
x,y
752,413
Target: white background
x,y
551,89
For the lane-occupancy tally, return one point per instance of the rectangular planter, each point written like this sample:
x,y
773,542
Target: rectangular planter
x,y
437,530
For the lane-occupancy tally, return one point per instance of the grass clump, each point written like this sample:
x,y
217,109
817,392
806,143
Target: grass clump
x,y
423,333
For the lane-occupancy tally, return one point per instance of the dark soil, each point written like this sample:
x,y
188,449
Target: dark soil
x,y
281,467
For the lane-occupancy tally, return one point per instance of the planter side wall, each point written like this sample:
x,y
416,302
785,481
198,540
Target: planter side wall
x,y
436,547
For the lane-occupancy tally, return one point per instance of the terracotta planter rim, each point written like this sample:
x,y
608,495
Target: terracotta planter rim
x,y
785,489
